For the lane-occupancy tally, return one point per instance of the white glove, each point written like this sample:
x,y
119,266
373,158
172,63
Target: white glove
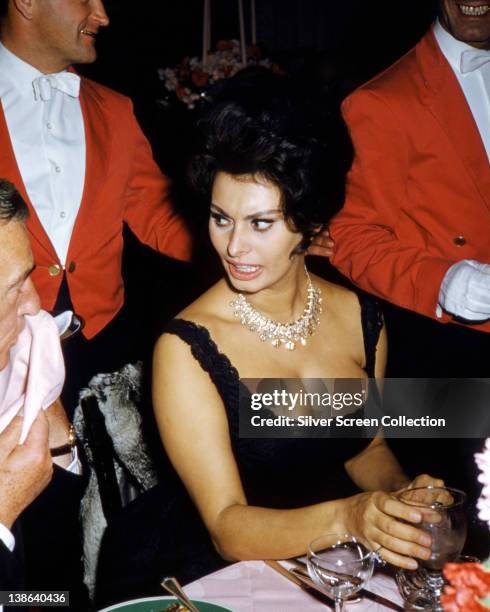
x,y
465,290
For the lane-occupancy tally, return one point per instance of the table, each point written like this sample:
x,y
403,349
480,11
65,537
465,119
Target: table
x,y
252,586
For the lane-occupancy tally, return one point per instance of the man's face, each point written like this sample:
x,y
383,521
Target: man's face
x,y
66,30
467,20
17,294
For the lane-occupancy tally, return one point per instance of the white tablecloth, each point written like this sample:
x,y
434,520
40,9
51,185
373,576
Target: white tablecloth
x,y
252,586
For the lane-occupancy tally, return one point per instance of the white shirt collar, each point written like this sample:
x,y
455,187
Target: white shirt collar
x,y
451,48
20,73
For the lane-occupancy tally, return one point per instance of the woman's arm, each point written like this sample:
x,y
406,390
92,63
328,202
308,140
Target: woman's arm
x,y
376,468
194,430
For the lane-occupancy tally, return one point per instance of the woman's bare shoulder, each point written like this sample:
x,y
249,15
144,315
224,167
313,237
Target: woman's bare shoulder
x,y
174,363
340,301
172,354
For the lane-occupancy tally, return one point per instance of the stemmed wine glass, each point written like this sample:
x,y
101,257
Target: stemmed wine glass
x,y
443,517
339,565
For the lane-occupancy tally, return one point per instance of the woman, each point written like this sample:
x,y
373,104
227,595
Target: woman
x,y
270,186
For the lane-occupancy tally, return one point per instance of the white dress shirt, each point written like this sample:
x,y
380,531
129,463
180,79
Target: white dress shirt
x,y
48,140
475,83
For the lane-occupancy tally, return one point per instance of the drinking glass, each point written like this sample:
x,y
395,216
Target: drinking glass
x,y
339,565
443,518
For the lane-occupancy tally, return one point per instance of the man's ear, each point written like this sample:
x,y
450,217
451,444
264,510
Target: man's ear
x,y
24,7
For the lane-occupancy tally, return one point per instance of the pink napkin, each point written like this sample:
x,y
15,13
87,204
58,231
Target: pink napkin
x,y
34,377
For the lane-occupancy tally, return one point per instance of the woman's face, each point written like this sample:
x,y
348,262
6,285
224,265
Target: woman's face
x,y
248,231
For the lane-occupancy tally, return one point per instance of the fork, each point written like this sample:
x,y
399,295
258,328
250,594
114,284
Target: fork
x,y
172,585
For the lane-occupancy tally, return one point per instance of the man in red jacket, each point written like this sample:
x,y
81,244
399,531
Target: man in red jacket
x,y
81,162
416,223
415,228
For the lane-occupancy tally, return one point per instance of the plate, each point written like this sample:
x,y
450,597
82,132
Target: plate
x,y
158,604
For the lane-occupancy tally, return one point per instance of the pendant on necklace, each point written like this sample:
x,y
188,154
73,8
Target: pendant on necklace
x,y
287,335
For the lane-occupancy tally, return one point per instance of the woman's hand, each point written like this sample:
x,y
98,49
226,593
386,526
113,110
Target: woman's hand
x,y
386,525
422,497
422,480
426,494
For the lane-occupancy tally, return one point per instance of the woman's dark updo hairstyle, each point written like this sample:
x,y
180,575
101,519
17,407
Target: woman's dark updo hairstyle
x,y
261,124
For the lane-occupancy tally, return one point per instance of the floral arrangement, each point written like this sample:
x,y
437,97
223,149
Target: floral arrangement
x,y
483,462
190,80
469,583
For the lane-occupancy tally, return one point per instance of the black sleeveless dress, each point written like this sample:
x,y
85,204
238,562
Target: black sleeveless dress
x,y
161,532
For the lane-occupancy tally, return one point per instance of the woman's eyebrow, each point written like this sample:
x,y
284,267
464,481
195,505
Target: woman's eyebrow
x,y
215,206
259,213
264,213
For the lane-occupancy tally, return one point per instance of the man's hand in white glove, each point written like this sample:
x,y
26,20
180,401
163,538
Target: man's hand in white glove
x,y
465,290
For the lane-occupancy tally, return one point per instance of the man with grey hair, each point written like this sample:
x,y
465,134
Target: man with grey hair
x,y
25,469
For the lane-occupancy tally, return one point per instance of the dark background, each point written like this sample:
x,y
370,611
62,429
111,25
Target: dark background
x,y
146,35
332,45
302,35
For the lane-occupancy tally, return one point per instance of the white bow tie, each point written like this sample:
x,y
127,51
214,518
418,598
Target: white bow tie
x,y
66,82
473,59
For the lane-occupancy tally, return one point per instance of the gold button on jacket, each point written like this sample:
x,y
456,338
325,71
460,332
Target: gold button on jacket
x,y
54,270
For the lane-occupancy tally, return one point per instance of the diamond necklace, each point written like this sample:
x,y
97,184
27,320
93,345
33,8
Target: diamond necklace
x,y
281,334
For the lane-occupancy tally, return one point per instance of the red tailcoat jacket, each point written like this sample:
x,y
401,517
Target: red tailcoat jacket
x,y
419,190
122,184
